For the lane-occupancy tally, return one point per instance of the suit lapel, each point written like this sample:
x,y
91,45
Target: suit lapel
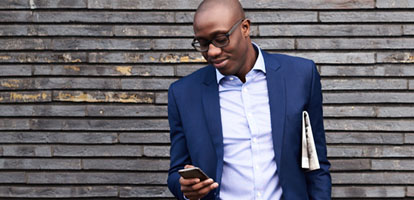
x,y
277,102
211,106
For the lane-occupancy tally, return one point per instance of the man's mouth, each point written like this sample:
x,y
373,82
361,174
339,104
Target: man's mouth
x,y
219,63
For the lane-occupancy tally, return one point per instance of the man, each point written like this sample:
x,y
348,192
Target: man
x,y
239,119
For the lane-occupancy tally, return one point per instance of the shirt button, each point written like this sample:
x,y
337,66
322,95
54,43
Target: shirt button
x,y
259,194
254,140
231,78
245,89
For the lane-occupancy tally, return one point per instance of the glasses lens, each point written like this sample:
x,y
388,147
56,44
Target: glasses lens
x,y
200,45
220,40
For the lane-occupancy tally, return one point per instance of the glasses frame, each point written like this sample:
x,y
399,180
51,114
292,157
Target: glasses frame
x,y
195,41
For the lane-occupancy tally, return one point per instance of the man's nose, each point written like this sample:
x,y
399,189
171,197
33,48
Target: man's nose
x,y
213,51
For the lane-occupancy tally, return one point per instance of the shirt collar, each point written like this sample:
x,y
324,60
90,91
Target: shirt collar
x,y
258,65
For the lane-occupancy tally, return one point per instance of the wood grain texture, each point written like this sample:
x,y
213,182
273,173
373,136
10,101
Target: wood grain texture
x,y
83,91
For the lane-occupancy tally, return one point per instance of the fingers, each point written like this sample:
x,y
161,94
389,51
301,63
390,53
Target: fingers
x,y
199,190
193,188
189,182
196,186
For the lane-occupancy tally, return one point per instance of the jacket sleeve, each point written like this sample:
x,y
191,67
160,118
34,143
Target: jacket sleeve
x,y
178,152
318,181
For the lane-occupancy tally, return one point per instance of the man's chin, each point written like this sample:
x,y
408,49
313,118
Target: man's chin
x,y
225,71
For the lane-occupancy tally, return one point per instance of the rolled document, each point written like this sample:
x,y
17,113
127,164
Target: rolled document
x,y
309,155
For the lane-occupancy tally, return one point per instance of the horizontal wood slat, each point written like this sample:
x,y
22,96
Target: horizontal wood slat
x,y
83,91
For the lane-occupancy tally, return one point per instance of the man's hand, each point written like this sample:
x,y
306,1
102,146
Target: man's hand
x,y
194,189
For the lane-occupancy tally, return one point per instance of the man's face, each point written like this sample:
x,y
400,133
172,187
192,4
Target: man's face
x,y
229,60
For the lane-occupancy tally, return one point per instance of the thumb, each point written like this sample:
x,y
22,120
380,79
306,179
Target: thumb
x,y
188,166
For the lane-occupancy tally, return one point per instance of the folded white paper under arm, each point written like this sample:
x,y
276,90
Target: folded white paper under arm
x,y
309,155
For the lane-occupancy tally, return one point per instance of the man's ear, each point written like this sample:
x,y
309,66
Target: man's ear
x,y
246,28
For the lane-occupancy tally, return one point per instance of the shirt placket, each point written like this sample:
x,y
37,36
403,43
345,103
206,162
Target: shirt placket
x,y
249,108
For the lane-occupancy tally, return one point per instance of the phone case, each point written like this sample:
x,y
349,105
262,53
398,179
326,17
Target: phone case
x,y
193,173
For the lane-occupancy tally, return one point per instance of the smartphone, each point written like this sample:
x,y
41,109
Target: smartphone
x,y
194,172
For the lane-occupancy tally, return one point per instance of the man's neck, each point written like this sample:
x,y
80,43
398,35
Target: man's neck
x,y
252,54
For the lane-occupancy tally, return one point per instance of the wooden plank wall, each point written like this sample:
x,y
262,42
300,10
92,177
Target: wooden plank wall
x,y
83,91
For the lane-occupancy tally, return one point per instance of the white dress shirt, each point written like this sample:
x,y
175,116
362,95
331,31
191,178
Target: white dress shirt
x,y
249,170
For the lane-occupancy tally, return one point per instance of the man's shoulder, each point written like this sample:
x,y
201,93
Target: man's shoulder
x,y
291,67
284,58
196,77
290,64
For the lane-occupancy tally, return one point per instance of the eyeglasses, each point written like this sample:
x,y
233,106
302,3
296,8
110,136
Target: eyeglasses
x,y
221,40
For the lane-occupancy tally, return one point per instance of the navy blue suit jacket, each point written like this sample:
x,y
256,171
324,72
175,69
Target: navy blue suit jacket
x,y
196,132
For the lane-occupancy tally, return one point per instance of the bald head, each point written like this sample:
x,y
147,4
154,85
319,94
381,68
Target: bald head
x,y
224,20
232,7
